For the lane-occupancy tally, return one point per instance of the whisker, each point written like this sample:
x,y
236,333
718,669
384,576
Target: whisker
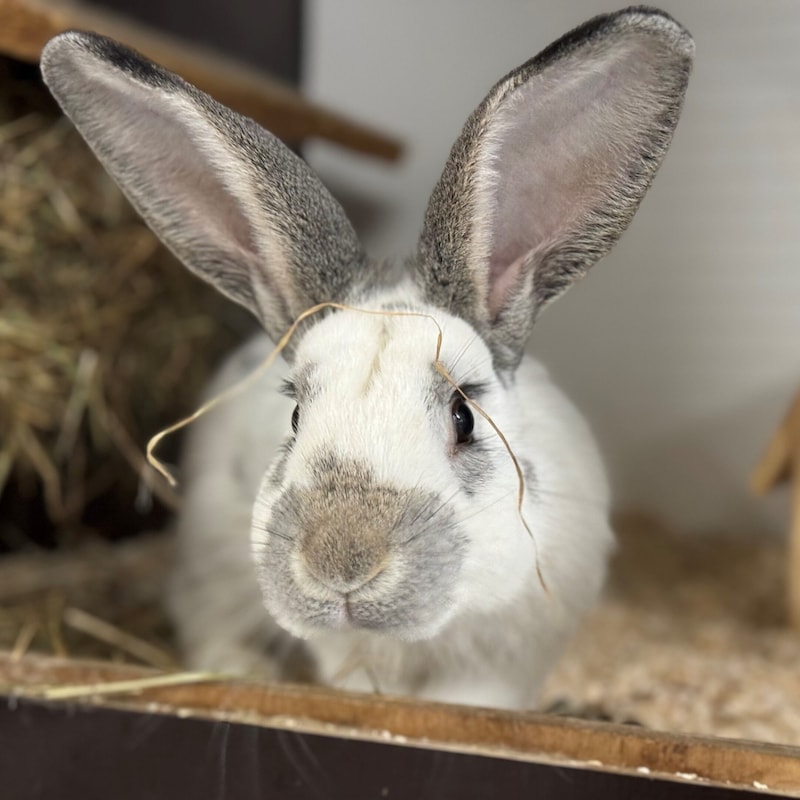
x,y
431,514
275,532
488,506
421,510
223,772
560,495
401,514
577,498
446,501
462,352
478,369
354,659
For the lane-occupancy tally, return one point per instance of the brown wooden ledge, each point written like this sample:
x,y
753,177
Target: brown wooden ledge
x,y
530,737
26,25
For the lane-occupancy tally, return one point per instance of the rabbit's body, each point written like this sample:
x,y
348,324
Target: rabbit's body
x,y
356,508
498,646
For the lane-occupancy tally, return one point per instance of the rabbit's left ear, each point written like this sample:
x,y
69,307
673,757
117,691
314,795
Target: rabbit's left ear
x,y
231,201
549,171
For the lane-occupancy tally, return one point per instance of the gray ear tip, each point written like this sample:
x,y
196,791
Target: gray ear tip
x,y
66,49
656,21
76,51
637,24
62,46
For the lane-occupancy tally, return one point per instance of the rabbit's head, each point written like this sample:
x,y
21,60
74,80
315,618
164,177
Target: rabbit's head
x,y
393,505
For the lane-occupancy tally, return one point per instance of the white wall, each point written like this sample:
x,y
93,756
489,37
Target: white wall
x,y
683,346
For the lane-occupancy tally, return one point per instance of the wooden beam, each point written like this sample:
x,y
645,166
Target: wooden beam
x,y
793,565
26,25
775,465
530,737
55,750
781,463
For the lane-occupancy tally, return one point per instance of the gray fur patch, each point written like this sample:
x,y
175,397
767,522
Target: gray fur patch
x,y
305,383
475,465
277,472
529,474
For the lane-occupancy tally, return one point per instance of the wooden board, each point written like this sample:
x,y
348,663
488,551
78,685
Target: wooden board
x,y
533,738
26,25
62,752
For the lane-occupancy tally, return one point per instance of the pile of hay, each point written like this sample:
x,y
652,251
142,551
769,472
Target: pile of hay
x,y
98,601
104,337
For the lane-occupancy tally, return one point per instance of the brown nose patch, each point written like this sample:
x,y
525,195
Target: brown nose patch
x,y
346,521
344,559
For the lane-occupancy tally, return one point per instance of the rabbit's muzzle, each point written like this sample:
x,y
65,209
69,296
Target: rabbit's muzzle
x,y
344,559
353,552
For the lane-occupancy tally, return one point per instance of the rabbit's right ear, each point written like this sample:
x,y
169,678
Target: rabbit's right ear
x,y
549,170
229,199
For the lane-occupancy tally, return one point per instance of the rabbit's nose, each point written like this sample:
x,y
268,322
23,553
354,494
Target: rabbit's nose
x,y
344,560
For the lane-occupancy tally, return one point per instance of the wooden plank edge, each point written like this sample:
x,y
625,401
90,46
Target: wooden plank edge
x,y
26,25
520,736
776,464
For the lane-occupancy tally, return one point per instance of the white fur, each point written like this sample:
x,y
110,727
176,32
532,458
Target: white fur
x,y
505,631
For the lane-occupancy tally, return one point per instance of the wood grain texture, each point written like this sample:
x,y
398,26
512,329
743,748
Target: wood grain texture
x,y
530,737
26,25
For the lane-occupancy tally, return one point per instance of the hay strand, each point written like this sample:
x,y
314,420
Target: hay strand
x,y
25,638
97,601
104,631
74,692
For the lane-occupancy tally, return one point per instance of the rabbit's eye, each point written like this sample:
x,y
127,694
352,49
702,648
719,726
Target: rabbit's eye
x,y
462,420
295,418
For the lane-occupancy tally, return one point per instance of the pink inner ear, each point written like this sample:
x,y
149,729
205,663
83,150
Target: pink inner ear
x,y
172,165
560,149
186,196
503,280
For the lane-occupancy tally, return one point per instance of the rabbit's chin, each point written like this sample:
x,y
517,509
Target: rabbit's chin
x,y
340,615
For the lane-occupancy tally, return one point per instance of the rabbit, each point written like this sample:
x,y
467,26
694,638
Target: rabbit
x,y
354,512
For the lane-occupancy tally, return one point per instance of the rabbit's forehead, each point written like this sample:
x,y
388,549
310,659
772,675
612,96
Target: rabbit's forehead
x,y
390,351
